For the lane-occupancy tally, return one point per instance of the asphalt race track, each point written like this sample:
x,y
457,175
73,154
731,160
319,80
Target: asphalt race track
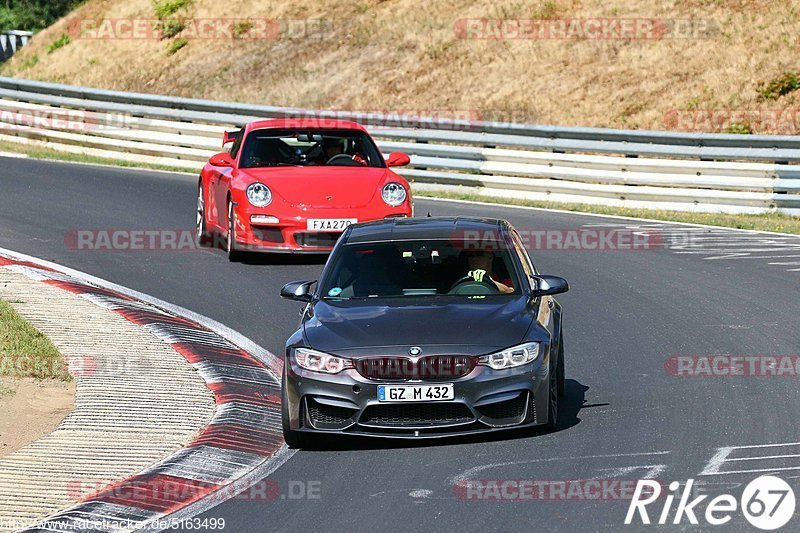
x,y
625,416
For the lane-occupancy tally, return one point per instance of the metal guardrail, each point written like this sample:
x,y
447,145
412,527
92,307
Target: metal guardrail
x,y
11,41
667,170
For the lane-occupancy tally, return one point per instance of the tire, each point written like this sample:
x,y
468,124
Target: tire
x,y
560,371
552,397
203,236
293,439
234,255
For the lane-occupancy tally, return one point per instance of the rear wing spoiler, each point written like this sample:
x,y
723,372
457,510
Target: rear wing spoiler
x,y
230,136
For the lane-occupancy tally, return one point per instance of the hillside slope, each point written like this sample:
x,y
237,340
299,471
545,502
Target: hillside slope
x,y
411,55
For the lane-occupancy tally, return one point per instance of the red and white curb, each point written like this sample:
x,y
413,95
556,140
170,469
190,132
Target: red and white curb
x,y
241,445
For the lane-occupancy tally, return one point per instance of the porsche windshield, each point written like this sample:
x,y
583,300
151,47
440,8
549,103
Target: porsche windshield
x,y
420,268
267,148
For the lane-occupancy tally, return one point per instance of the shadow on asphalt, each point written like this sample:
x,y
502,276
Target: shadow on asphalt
x,y
283,259
266,259
569,406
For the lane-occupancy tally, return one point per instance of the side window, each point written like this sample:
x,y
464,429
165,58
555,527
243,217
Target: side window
x,y
237,144
527,265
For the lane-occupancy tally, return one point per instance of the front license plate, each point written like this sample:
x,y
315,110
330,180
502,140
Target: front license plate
x,y
329,224
415,393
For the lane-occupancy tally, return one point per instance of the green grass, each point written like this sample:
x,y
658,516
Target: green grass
x,y
176,45
165,8
777,222
29,62
61,42
547,10
241,27
742,128
25,351
171,27
782,85
38,152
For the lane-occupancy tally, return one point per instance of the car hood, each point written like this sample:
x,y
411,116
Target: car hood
x,y
320,187
348,326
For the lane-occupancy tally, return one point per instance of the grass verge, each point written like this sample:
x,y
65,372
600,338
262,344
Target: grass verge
x,y
777,222
25,351
39,152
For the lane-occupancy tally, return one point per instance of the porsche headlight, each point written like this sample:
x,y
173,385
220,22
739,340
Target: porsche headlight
x,y
394,194
259,194
320,362
511,357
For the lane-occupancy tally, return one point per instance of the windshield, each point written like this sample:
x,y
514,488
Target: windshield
x,y
267,148
420,268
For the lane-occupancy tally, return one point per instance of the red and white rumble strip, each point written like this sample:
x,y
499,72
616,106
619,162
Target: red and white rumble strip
x,y
241,444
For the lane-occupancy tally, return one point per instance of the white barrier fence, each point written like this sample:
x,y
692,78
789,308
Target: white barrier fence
x,y
11,41
657,170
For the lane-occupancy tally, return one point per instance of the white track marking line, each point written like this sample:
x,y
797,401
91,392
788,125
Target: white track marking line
x,y
652,472
716,463
476,469
763,457
615,217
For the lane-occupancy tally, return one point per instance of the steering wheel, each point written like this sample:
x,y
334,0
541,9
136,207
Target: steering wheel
x,y
467,285
342,159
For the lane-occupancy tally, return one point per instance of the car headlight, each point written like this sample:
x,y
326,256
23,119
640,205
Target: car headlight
x,y
259,194
394,194
511,357
320,362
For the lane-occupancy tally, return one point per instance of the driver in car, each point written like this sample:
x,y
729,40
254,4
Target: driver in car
x,y
480,264
331,148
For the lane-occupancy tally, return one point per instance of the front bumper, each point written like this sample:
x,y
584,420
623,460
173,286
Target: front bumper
x,y
290,233
485,400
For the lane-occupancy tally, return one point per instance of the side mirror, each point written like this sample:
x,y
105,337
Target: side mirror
x,y
548,285
397,159
222,159
230,136
298,290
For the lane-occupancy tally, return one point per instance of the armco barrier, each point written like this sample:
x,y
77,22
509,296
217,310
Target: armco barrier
x,y
650,169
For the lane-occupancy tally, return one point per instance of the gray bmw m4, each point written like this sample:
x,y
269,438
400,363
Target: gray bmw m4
x,y
421,328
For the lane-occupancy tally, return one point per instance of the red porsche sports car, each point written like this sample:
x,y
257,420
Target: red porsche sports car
x,y
284,186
